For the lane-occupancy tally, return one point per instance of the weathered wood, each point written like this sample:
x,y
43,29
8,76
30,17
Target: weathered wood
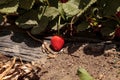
x,y
20,45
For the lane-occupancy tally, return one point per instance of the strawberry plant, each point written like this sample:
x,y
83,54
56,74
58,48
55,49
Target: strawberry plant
x,y
41,16
35,12
64,17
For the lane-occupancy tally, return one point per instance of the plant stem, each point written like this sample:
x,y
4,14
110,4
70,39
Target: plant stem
x,y
43,11
58,26
47,2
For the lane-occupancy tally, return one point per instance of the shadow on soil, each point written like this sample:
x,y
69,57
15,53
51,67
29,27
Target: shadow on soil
x,y
72,47
94,49
89,49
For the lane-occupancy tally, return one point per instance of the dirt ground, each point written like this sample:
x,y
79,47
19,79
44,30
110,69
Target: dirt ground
x,y
102,66
102,62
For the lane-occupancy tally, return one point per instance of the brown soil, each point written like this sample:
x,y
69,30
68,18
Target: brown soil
x,y
102,61
102,64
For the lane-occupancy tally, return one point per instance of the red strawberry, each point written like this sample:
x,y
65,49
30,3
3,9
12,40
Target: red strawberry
x,y
64,1
118,14
57,42
117,32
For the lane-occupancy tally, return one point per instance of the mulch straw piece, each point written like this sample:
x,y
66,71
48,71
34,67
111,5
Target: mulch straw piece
x,y
13,70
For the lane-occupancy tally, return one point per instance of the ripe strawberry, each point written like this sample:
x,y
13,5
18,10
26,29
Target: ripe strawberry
x,y
117,32
118,14
64,1
57,42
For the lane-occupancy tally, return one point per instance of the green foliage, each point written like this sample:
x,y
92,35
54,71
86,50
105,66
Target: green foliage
x,y
70,9
9,7
49,8
53,3
42,25
28,20
108,7
26,4
51,12
82,26
110,26
85,5
4,1
37,15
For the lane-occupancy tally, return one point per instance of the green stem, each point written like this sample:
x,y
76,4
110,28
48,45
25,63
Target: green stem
x,y
43,11
58,26
47,2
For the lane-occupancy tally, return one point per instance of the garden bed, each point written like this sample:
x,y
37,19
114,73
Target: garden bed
x,y
101,60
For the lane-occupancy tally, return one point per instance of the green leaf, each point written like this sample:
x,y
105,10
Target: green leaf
x,y
84,3
26,4
76,2
28,24
74,7
61,11
53,23
51,12
107,31
41,1
41,26
10,7
82,26
53,3
109,27
28,20
84,6
84,75
107,7
4,1
111,7
70,9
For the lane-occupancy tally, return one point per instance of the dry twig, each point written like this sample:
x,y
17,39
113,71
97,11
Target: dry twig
x,y
8,69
